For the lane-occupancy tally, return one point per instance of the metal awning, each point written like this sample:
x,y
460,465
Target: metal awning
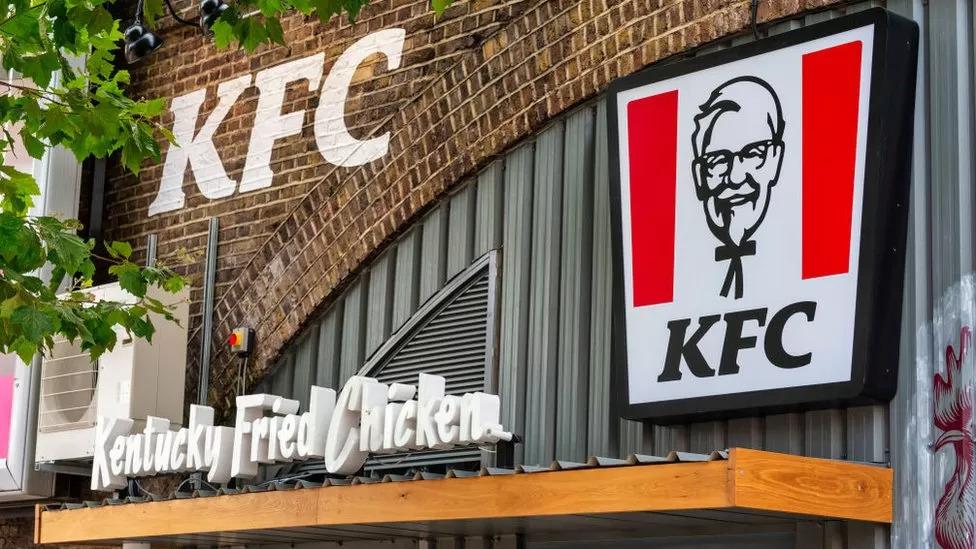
x,y
743,487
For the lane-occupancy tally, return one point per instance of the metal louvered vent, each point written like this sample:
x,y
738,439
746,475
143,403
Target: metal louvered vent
x,y
451,344
449,336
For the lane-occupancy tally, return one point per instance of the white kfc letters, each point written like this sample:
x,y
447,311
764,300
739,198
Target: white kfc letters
x,y
335,143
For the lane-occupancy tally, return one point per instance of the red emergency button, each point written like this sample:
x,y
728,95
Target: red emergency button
x,y
241,341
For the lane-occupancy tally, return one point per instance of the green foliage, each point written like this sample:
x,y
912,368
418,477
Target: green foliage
x,y
82,106
44,264
250,23
33,312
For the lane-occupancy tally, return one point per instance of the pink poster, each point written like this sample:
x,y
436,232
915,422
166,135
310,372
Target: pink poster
x,y
6,408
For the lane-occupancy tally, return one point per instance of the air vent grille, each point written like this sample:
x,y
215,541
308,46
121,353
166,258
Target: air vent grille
x,y
69,380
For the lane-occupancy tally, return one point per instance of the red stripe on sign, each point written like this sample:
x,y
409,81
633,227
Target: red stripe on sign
x,y
831,90
652,126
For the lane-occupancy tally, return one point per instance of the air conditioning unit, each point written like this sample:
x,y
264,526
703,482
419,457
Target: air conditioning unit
x,y
134,380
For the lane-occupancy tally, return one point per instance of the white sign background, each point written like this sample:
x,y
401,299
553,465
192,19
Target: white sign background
x,y
772,277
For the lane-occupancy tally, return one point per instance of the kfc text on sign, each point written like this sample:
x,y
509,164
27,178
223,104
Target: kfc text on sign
x,y
337,146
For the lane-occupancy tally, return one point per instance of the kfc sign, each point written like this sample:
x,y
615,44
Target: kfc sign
x,y
194,148
366,417
760,211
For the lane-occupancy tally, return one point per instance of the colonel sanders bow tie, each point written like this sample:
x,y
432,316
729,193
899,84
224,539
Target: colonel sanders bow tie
x,y
734,254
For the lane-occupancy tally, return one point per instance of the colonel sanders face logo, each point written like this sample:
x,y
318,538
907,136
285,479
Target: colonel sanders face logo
x,y
738,147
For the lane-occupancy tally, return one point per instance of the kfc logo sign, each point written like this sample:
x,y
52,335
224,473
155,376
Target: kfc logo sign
x,y
761,212
738,155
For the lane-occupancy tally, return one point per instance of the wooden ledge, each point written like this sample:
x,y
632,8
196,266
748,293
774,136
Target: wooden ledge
x,y
750,480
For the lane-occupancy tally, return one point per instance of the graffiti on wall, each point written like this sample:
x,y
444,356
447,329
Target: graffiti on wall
x,y
955,513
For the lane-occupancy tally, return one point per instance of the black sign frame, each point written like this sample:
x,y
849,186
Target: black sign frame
x,y
881,263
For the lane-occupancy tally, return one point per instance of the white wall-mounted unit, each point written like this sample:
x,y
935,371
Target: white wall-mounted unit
x,y
18,423
134,380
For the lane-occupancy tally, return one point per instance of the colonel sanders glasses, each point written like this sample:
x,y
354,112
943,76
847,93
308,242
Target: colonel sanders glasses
x,y
716,166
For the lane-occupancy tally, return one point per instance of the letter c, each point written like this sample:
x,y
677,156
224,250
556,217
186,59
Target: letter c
x,y
774,335
331,134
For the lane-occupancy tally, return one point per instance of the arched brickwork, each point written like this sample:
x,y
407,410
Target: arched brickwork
x,y
552,56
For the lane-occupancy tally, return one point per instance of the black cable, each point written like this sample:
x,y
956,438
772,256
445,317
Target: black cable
x,y
755,15
242,377
184,21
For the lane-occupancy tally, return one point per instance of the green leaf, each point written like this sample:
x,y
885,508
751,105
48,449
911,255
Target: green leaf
x,y
141,327
174,284
25,349
275,33
132,156
33,323
223,33
151,9
11,305
149,109
130,278
269,8
120,249
327,8
33,145
251,33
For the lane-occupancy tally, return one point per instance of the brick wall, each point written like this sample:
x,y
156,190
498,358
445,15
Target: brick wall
x,y
471,84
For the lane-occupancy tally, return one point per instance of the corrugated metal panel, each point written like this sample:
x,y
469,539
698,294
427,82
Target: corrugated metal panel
x,y
306,357
460,229
433,252
488,216
406,283
574,288
330,347
540,412
600,425
516,264
867,433
281,383
784,433
378,309
745,432
912,468
630,437
705,433
950,162
824,432
353,330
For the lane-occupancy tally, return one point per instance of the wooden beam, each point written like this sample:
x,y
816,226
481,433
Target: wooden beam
x,y
37,522
753,480
798,485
